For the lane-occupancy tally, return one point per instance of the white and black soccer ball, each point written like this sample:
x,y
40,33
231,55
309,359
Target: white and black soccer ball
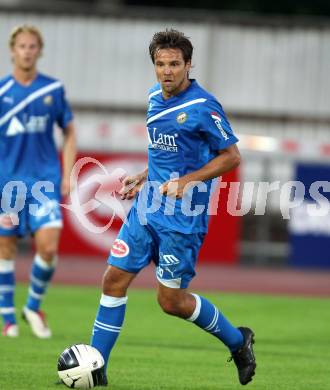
x,y
81,366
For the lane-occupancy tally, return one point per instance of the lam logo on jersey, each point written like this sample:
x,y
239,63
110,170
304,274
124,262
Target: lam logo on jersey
x,y
217,120
119,248
162,141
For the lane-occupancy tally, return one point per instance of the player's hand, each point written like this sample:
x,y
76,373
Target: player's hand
x,y
175,188
131,186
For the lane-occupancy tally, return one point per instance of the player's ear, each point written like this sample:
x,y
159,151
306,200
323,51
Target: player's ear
x,y
12,59
188,67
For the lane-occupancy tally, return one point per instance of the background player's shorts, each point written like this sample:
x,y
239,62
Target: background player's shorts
x,y
31,214
175,254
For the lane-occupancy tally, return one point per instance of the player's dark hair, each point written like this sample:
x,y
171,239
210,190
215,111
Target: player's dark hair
x,y
171,39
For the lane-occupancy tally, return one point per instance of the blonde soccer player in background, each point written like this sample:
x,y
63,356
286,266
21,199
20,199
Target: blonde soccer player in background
x,y
31,182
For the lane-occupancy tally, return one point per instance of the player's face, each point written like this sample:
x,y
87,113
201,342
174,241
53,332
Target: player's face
x,y
26,51
171,71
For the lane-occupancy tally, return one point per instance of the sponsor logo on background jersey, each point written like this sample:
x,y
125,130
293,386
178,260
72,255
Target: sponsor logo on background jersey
x,y
15,127
217,120
119,248
181,118
8,100
162,141
36,124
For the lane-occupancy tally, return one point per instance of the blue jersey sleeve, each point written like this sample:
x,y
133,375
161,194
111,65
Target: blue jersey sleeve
x,y
214,124
63,110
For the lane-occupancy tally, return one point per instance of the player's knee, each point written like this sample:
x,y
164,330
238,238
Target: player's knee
x,y
169,306
8,248
7,252
114,283
48,252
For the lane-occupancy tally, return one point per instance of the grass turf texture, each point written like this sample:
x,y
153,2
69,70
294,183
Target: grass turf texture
x,y
158,352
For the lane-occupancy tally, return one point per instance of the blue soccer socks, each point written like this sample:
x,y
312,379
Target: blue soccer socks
x,y
41,274
7,289
209,318
107,325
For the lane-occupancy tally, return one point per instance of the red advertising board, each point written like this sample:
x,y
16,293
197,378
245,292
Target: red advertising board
x,y
91,225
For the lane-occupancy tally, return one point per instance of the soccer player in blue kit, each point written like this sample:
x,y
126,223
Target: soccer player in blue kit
x,y
31,184
190,143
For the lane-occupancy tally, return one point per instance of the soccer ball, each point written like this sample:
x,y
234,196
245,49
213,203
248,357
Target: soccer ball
x,y
81,366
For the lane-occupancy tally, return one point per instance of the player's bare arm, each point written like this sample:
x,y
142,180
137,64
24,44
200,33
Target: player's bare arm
x,y
227,160
69,157
133,184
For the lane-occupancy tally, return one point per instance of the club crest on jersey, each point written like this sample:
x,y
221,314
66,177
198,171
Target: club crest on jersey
x,y
181,118
48,100
119,248
217,120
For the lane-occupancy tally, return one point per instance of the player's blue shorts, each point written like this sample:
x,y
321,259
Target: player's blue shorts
x,y
30,214
175,254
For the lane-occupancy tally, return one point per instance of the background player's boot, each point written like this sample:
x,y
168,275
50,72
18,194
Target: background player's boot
x,y
37,322
10,330
244,357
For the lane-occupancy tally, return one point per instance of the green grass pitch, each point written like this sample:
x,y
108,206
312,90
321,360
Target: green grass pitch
x,y
158,352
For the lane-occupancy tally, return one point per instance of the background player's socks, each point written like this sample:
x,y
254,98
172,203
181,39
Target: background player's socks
x,y
208,317
107,325
41,273
7,287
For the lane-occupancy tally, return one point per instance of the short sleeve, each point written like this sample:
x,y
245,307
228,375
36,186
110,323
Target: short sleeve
x,y
63,110
215,125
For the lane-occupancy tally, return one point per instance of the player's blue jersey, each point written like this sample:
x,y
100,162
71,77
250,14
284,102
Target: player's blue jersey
x,y
185,132
27,117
